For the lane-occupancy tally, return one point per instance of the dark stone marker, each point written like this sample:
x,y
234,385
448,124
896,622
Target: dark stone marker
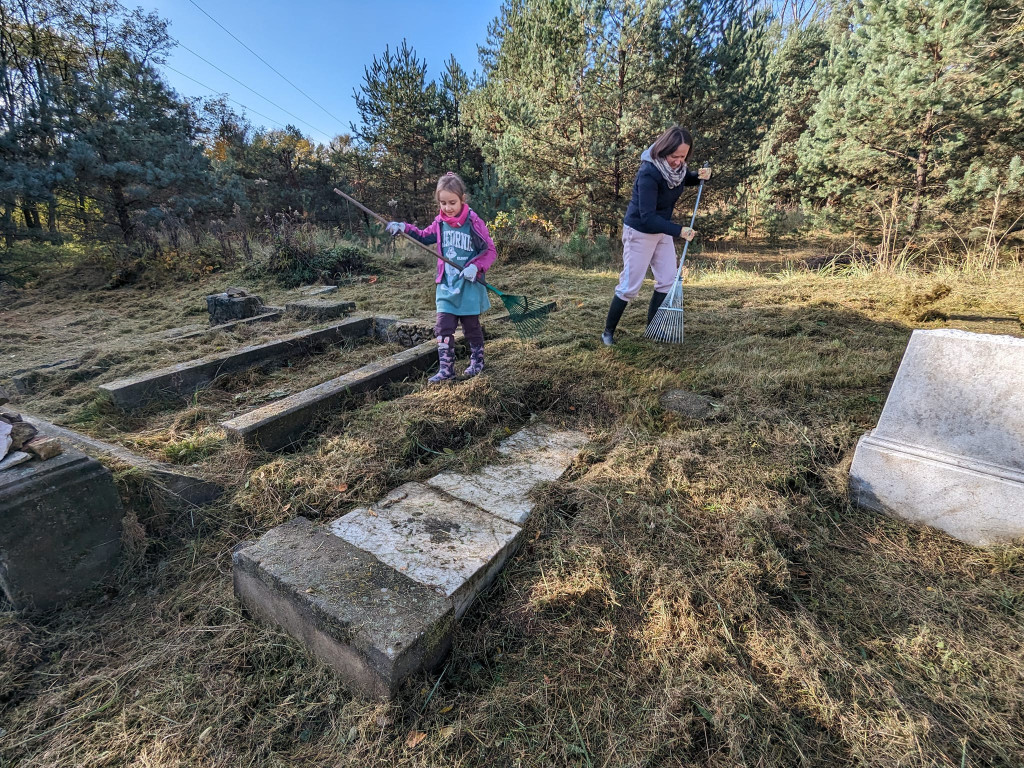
x,y
60,529
224,308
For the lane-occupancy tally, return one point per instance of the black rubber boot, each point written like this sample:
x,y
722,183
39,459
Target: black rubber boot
x,y
614,315
657,299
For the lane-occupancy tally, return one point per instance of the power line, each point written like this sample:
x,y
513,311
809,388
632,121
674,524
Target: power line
x,y
227,74
214,90
250,50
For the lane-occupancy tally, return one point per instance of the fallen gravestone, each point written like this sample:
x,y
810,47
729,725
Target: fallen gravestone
x,y
948,450
61,531
376,593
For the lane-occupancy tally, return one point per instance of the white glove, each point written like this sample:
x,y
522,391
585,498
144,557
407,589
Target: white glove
x,y
394,227
469,273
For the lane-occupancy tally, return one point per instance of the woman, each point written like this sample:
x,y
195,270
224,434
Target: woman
x,y
648,229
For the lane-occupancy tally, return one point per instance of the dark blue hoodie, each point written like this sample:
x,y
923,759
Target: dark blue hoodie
x,y
650,208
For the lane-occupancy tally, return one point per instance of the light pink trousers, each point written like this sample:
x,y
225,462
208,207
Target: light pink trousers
x,y
640,251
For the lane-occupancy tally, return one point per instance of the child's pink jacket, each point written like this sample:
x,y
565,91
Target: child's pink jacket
x,y
481,237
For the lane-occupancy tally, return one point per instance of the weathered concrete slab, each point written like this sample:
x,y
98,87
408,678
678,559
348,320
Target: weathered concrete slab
x,y
176,488
283,422
319,310
541,455
948,450
183,379
318,290
275,313
371,623
434,539
60,529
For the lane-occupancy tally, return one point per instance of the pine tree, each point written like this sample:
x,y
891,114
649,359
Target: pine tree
x,y
909,100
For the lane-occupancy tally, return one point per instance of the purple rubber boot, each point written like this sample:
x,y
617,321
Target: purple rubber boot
x,y
446,358
476,360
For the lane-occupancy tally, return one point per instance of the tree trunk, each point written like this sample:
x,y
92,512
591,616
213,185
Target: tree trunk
x,y
8,225
124,220
921,173
51,217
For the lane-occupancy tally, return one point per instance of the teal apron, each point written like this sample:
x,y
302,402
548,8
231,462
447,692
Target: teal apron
x,y
456,295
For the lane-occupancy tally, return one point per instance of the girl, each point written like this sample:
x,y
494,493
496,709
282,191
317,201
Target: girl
x,y
648,229
463,238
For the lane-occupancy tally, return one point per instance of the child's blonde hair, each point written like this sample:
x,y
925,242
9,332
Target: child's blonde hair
x,y
451,182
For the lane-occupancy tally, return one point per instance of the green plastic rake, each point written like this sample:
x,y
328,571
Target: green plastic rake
x,y
526,314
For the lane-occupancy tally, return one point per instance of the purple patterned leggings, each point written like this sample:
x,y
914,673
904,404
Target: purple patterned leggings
x,y
447,323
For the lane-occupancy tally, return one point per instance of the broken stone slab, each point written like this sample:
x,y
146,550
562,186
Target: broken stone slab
x,y
372,624
433,538
275,313
540,454
4,397
44,448
184,379
177,489
14,458
319,311
21,433
283,422
61,531
948,450
318,290
5,438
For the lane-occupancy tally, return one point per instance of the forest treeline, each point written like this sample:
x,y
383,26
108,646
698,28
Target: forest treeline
x,y
864,118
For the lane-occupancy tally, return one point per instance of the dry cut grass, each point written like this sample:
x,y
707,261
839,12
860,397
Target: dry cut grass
x,y
692,592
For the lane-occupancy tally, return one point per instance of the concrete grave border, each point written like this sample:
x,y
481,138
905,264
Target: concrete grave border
x,y
376,594
183,379
176,488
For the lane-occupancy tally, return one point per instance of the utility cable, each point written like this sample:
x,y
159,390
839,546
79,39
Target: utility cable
x,y
214,90
252,90
250,50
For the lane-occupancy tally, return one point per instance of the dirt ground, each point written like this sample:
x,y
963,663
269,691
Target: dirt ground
x,y
693,592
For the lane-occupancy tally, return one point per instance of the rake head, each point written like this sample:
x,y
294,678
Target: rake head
x,y
667,325
526,314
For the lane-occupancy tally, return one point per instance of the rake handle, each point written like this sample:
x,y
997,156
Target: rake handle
x,y
686,244
412,239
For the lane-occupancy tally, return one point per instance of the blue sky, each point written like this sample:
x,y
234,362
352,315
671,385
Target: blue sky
x,y
321,47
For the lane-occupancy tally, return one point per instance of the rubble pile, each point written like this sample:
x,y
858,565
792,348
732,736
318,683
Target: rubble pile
x,y
20,441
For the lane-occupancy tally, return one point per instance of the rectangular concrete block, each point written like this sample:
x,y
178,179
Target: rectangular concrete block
x,y
60,529
371,623
319,310
434,539
537,454
183,379
283,422
948,450
176,488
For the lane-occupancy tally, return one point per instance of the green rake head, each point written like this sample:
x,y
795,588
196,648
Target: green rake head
x,y
527,315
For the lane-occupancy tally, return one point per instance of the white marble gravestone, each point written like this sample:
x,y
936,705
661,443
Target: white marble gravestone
x,y
948,450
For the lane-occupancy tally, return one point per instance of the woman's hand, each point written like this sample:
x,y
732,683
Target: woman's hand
x,y
704,174
688,233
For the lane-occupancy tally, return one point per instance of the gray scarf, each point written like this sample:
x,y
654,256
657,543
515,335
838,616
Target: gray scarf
x,y
672,177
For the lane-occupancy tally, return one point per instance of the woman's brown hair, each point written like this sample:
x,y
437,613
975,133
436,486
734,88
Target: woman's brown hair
x,y
670,140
